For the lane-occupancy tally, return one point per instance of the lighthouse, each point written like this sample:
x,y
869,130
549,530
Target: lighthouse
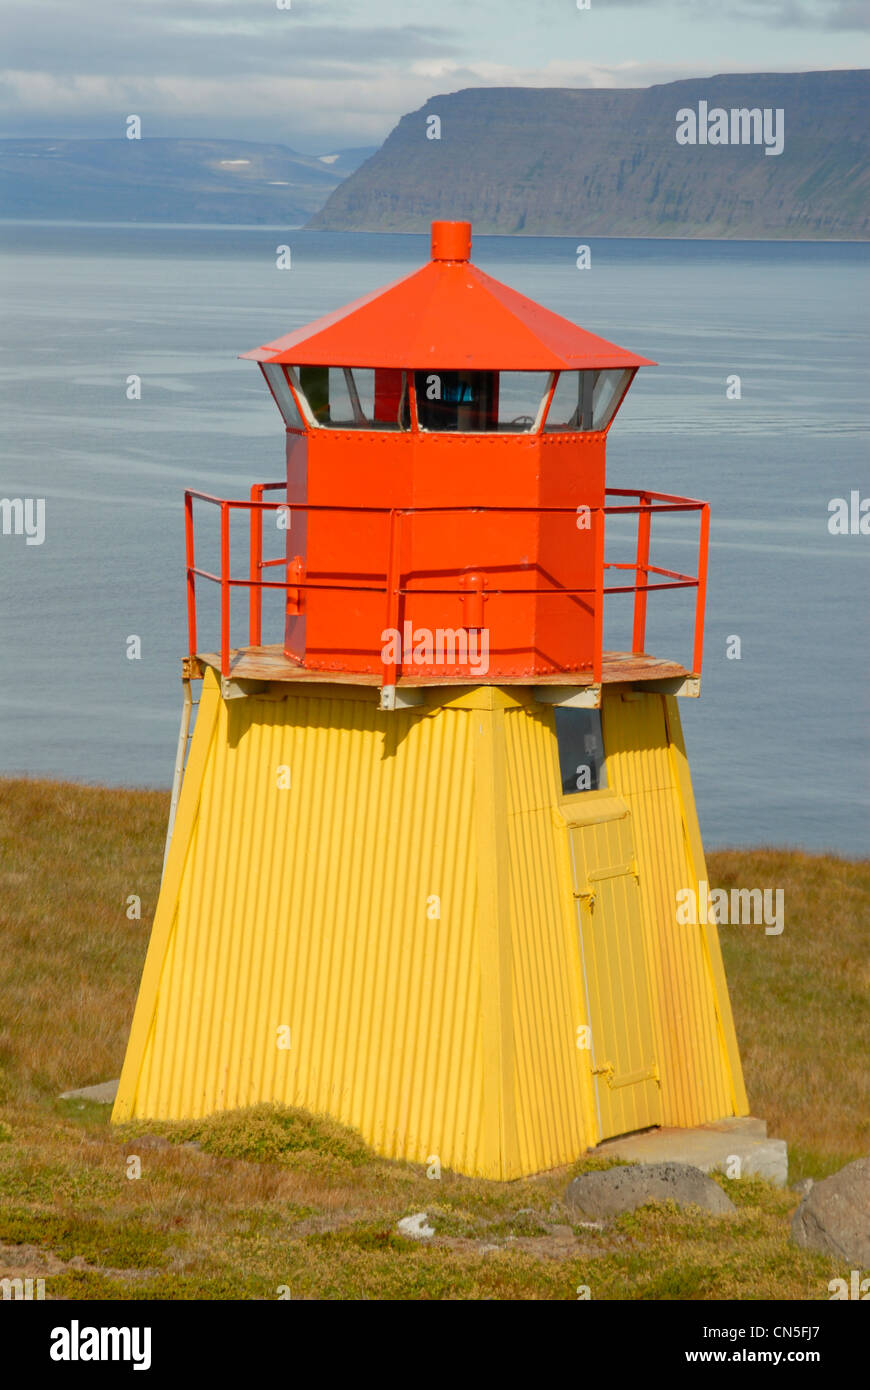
x,y
429,836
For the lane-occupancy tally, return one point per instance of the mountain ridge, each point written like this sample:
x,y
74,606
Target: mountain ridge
x,y
605,161
167,180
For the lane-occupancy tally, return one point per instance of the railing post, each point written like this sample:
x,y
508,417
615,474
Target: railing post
x,y
598,624
191,577
255,603
701,596
641,567
225,589
392,668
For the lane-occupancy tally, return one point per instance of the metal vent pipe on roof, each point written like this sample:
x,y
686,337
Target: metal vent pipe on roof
x,y
451,241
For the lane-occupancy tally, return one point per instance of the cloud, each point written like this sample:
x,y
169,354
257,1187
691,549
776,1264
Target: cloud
x,y
186,40
836,15
330,72
323,70
311,113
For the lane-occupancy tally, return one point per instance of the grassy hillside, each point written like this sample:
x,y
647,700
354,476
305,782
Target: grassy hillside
x,y
239,1205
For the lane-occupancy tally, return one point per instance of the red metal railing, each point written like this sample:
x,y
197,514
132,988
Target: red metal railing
x,y
647,504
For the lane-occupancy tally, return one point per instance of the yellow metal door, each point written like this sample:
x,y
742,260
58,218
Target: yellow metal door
x,y
614,966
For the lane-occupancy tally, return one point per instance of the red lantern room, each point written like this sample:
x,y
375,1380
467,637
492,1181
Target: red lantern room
x,y
447,391
445,488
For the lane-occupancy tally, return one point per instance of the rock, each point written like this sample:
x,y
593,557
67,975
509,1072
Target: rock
x,y
613,1190
415,1226
768,1160
803,1188
834,1217
148,1141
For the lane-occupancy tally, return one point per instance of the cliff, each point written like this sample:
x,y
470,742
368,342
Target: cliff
x,y
590,162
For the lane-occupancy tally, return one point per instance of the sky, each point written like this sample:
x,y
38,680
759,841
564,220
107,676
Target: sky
x,y
319,75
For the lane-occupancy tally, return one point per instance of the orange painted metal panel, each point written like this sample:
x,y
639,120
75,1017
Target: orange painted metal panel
x,y
527,633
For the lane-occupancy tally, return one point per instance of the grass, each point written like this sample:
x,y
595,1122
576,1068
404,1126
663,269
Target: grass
x,y
800,1003
269,1202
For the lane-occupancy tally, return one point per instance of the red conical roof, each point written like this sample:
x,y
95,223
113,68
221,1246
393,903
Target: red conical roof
x,y
447,315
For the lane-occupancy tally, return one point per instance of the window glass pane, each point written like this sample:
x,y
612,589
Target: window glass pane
x,y
477,402
581,750
586,400
571,406
351,398
345,403
314,382
277,379
607,394
519,399
466,402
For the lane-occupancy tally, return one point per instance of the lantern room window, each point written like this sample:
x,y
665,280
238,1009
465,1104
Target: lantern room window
x,y
470,402
354,398
279,385
586,400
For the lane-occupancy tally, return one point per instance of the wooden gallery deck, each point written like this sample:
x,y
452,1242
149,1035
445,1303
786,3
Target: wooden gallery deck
x,y
251,667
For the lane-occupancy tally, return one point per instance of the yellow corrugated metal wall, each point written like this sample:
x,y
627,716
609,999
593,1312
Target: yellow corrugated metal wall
x,y
306,908
696,1075
693,1030
443,1027
554,1100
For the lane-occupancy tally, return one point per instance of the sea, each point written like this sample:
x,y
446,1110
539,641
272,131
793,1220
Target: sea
x,y
758,404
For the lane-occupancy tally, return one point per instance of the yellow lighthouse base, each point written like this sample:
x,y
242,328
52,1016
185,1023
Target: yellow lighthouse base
x,y
399,919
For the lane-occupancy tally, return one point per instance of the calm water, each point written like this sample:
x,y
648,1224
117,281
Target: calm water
x,y
778,741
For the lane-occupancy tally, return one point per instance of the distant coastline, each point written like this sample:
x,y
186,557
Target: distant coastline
x,y
386,231
517,161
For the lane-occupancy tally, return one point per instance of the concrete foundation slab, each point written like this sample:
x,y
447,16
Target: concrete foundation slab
x,y
736,1147
102,1094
